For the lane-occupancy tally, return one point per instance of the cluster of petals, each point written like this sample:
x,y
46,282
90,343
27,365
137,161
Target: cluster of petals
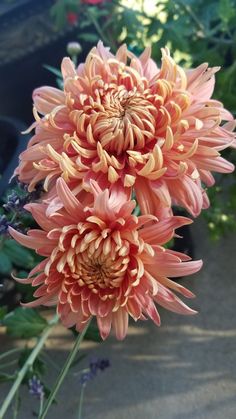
x,y
102,260
121,119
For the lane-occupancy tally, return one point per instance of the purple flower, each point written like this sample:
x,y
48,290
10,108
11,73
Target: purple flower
x,y
14,202
99,364
86,377
4,224
36,387
94,366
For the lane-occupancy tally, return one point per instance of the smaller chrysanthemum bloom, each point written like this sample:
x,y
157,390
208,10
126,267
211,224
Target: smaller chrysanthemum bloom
x,y
103,261
121,118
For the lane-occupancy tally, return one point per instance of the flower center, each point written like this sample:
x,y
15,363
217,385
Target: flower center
x,y
100,272
96,259
126,123
116,117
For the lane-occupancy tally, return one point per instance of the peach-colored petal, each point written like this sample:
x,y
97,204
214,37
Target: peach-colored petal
x,y
120,321
104,261
47,98
121,119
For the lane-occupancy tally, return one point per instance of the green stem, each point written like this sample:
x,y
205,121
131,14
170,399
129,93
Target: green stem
x,y
64,371
81,402
29,362
41,405
75,59
194,17
200,26
99,29
50,361
17,404
10,352
8,364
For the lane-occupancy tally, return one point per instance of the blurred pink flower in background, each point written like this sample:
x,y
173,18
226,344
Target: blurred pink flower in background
x,y
72,18
121,118
103,261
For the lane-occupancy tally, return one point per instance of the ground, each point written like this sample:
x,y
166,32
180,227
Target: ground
x,y
184,370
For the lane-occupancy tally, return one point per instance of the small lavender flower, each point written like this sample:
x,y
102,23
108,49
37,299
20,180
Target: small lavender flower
x,y
15,202
4,224
98,364
36,387
86,377
103,364
94,366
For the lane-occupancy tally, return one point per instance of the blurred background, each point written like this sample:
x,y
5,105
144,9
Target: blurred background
x,y
34,36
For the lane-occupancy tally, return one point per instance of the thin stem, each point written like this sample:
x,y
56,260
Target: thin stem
x,y
50,361
75,59
99,29
64,371
13,217
16,405
81,402
194,17
10,352
200,26
29,362
8,364
41,405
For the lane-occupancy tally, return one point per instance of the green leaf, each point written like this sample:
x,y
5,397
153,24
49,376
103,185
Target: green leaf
x,y
3,312
53,70
78,360
89,37
58,13
19,255
6,377
5,263
93,334
24,323
84,24
226,10
153,28
38,368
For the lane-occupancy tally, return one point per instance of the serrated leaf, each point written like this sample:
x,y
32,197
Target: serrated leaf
x,y
5,263
24,323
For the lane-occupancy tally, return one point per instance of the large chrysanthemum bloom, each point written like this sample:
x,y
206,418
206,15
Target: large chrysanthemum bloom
x,y
122,118
103,261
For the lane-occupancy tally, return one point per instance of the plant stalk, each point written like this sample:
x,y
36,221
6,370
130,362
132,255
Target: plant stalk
x,y
64,371
81,402
29,362
99,30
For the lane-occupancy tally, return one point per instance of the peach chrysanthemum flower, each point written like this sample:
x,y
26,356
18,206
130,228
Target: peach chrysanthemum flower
x,y
121,117
103,261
